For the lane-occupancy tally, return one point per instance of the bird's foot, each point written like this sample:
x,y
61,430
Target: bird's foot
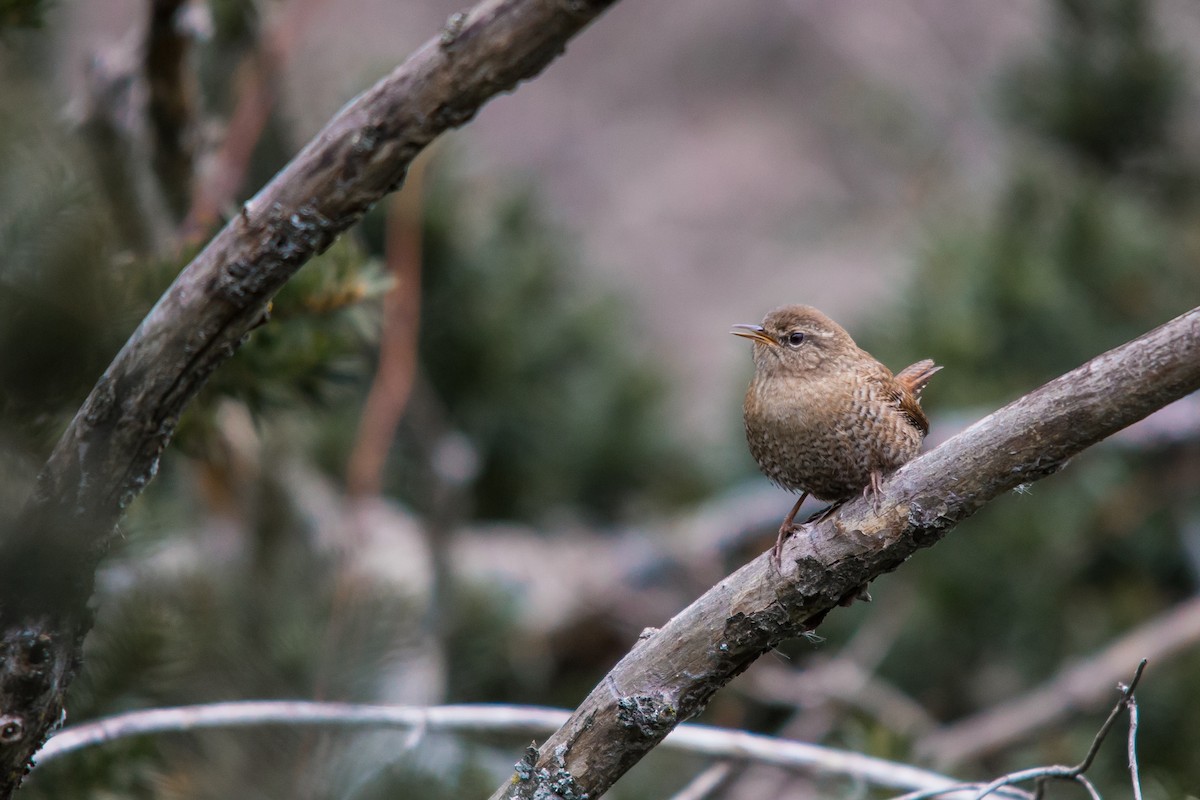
x,y
785,530
789,527
875,490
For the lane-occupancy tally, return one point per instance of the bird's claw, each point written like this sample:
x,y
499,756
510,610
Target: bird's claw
x,y
875,490
785,530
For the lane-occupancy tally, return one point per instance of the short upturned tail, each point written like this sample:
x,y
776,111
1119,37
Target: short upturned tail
x,y
915,377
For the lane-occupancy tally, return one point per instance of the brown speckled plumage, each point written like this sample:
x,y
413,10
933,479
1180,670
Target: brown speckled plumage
x,y
823,417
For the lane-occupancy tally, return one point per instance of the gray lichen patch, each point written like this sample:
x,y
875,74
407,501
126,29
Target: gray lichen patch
x,y
553,781
652,716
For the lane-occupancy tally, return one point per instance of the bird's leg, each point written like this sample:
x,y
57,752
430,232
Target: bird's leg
x,y
785,530
874,488
825,513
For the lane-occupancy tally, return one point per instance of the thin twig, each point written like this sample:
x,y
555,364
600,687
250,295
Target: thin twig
x,y
1040,775
1131,704
1127,693
1088,786
524,720
967,786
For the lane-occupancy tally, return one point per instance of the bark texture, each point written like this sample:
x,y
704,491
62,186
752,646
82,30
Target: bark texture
x,y
111,449
671,673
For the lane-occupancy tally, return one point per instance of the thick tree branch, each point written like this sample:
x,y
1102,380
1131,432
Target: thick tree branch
x,y
110,450
671,673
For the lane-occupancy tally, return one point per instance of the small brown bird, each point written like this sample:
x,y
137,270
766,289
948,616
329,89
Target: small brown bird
x,y
823,417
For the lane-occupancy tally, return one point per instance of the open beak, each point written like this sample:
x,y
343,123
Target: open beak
x,y
754,332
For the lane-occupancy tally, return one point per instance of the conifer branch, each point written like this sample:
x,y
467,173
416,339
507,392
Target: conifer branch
x,y
110,450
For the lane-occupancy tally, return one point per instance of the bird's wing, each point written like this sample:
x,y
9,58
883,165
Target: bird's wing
x,y
905,392
906,401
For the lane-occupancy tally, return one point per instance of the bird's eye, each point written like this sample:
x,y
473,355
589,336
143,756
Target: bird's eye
x,y
795,338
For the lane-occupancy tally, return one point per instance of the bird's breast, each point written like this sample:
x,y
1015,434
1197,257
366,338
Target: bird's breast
x,y
826,434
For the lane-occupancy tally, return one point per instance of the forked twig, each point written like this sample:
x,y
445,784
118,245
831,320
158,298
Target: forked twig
x,y
1042,775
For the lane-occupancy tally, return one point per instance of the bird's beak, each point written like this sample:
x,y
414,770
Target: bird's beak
x,y
754,332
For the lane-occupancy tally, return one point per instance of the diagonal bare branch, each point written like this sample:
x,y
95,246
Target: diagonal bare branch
x,y
671,674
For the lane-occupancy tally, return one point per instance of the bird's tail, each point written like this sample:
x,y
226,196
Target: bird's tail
x,y
915,377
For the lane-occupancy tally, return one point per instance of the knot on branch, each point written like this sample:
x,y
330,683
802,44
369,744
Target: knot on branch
x,y
12,729
27,659
652,716
99,405
450,33
452,115
284,237
929,517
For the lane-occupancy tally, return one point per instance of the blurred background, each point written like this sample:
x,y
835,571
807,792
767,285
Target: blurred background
x,y
495,431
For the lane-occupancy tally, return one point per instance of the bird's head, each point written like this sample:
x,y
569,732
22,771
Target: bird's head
x,y
796,339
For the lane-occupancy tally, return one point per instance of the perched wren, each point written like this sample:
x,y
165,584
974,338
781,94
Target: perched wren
x,y
823,417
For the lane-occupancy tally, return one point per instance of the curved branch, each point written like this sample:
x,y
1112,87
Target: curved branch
x,y
110,450
671,674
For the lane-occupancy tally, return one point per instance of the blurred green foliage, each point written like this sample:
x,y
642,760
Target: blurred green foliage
x,y
1107,92
23,13
542,369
